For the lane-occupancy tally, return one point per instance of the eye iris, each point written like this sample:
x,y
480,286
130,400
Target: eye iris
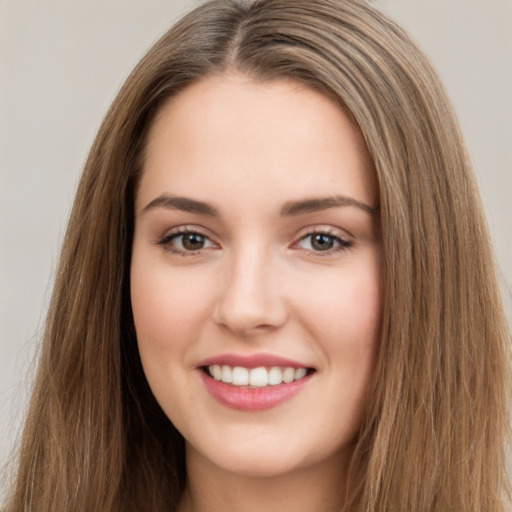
x,y
321,242
193,241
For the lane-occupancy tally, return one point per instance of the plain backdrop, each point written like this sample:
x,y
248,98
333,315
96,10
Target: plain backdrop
x,y
61,64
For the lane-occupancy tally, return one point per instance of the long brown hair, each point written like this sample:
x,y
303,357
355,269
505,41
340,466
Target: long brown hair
x,y
437,420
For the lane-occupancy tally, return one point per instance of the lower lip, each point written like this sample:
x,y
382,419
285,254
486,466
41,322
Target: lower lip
x,y
252,399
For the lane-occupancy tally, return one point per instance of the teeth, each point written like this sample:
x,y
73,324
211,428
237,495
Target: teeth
x,y
226,375
256,377
300,373
275,376
240,376
216,371
288,375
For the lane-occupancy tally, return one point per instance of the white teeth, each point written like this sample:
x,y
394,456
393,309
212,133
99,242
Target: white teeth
x,y
226,375
216,371
300,373
288,375
256,377
275,376
240,376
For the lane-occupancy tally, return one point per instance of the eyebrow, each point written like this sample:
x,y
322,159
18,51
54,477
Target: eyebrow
x,y
181,203
293,208
289,209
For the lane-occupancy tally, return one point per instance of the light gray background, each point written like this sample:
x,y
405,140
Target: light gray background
x,y
61,63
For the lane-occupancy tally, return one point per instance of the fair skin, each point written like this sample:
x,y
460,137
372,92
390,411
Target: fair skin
x,y
234,266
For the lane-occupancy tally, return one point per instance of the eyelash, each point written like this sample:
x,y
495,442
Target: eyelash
x,y
166,242
342,243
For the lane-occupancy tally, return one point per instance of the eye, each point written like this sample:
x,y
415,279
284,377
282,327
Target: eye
x,y
186,242
321,242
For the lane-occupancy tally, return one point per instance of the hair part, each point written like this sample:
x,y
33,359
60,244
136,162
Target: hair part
x,y
437,419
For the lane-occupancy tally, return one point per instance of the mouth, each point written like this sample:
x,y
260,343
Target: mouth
x,y
253,383
259,377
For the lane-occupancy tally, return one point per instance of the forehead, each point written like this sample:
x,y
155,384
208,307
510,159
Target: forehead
x,y
237,131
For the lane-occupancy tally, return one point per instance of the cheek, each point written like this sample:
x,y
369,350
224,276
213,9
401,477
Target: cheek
x,y
167,313
168,320
161,296
346,309
357,336
155,309
344,318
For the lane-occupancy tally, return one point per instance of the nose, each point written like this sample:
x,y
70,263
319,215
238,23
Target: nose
x,y
251,296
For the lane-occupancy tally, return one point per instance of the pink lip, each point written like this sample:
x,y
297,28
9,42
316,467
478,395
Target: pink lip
x,y
247,398
252,399
252,361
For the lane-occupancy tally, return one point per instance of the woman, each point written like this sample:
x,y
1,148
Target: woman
x,y
177,276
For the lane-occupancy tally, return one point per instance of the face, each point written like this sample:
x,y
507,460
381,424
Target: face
x,y
255,278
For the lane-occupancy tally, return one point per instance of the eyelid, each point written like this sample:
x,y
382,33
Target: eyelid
x,y
345,242
344,239
166,239
325,229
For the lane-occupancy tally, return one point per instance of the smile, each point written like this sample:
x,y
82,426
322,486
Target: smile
x,y
256,377
253,383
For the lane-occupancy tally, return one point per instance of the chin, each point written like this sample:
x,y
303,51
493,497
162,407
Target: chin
x,y
256,465
270,459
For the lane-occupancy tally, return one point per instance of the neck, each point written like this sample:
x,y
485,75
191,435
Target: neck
x,y
317,487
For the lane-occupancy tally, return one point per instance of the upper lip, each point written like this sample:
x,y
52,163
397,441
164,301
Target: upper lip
x,y
251,361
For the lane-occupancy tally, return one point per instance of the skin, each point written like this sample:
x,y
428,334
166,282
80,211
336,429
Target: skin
x,y
258,284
